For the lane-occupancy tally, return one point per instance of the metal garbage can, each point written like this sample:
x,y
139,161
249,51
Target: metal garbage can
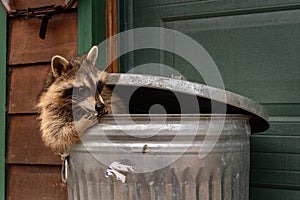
x,y
195,152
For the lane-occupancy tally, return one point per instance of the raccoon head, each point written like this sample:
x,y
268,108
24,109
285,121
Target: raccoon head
x,y
74,89
71,100
88,86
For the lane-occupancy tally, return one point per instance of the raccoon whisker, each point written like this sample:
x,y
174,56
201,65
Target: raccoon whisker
x,y
81,104
76,102
84,107
77,106
77,99
88,106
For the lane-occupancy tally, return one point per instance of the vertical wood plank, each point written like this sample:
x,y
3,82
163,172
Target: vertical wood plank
x,y
91,24
84,26
2,99
111,30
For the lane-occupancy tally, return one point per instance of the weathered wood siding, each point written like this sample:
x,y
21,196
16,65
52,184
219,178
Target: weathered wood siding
x,y
3,35
33,170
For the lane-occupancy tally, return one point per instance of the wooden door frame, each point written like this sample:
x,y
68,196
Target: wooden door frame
x,y
97,20
3,65
91,24
111,30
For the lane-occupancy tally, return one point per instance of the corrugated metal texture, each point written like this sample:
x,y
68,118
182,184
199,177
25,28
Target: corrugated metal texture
x,y
222,174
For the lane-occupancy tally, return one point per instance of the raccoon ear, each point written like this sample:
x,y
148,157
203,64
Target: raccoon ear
x,y
92,55
59,65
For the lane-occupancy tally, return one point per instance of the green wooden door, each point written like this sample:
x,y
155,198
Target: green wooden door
x,y
256,46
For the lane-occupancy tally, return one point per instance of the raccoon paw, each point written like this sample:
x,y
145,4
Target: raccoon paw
x,y
85,122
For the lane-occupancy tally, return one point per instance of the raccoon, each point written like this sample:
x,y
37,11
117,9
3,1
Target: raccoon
x,y
75,91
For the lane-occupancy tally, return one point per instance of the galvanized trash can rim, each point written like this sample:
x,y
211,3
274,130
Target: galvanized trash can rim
x,y
238,103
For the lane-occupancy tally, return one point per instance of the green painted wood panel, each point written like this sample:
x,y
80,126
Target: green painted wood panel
x,y
229,5
257,193
255,44
283,109
252,47
286,128
275,161
91,24
2,100
275,179
275,144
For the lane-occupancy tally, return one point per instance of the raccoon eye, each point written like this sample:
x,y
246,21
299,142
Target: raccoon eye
x,y
82,91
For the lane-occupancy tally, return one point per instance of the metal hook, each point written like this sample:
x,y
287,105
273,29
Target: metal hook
x,y
44,25
27,13
64,169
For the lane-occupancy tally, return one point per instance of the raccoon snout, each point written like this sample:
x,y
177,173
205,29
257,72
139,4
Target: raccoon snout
x,y
99,107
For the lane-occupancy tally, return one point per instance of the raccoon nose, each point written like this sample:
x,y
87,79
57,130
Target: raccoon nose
x,y
99,107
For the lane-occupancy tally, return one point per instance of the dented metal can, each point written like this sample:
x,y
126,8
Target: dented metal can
x,y
173,157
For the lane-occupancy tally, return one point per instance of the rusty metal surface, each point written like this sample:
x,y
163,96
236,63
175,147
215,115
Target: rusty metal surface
x,y
222,174
258,121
